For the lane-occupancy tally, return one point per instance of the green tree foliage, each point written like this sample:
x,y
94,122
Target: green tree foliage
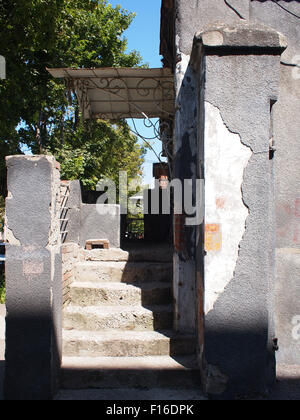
x,y
34,111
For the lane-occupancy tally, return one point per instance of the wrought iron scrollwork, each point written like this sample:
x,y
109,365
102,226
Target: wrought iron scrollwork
x,y
162,93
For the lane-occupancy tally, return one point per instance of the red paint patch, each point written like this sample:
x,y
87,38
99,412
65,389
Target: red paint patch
x,y
220,202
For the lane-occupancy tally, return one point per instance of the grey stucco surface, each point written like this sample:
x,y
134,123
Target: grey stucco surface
x,y
97,226
270,14
194,15
85,222
33,279
287,172
239,330
241,96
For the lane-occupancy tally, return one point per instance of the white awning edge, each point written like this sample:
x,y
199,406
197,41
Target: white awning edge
x,y
115,93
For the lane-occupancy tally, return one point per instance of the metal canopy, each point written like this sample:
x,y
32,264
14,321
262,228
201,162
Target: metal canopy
x,y
115,93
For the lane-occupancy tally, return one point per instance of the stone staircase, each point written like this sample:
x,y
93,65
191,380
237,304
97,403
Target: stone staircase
x,y
117,339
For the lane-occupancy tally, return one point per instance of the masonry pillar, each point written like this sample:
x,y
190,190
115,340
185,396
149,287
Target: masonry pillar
x,y
238,70
33,278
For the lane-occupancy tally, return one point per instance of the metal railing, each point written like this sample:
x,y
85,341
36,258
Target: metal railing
x,y
64,198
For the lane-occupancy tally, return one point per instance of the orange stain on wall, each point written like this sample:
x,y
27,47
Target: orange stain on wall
x,y
213,237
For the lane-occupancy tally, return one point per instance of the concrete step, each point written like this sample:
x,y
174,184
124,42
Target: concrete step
x,y
131,394
126,344
105,318
123,272
130,372
139,254
97,294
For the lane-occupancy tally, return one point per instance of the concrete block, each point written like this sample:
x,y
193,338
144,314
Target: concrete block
x,y
97,294
33,279
98,226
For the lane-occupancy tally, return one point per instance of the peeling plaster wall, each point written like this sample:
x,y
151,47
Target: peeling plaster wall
x,y
194,15
225,100
225,161
239,89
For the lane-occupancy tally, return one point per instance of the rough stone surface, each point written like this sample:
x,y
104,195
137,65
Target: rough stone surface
x,y
194,15
128,344
118,318
120,372
100,294
85,222
153,254
241,34
97,226
275,17
120,334
123,272
33,278
70,258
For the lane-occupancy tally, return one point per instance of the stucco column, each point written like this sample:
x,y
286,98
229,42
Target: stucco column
x,y
238,71
33,278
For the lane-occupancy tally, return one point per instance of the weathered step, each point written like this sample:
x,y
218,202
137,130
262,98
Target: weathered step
x,y
97,294
126,344
131,394
140,254
123,272
94,318
131,372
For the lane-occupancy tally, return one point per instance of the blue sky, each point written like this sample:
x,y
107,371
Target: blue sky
x,y
143,35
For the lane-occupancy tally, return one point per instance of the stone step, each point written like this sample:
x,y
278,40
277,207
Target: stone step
x,y
131,394
142,254
123,272
105,318
126,344
97,294
130,372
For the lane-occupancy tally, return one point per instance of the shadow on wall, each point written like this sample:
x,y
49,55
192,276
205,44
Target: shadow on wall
x,y
2,368
32,358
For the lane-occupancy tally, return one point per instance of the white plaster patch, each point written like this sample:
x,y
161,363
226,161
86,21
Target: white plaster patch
x,y
213,38
10,237
225,159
